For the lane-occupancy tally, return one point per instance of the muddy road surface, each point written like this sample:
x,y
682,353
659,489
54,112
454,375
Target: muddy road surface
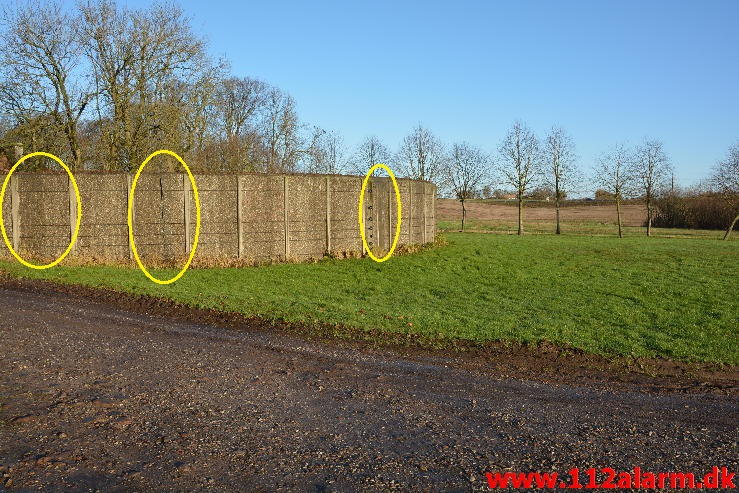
x,y
94,397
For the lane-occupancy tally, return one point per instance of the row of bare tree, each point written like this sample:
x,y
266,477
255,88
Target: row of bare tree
x,y
103,86
643,172
526,164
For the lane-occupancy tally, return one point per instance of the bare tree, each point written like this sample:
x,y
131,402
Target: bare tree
x,y
280,131
612,175
193,106
134,80
561,173
421,155
467,167
202,103
370,152
725,180
314,157
325,154
41,71
109,48
141,61
240,101
335,151
239,111
520,163
650,169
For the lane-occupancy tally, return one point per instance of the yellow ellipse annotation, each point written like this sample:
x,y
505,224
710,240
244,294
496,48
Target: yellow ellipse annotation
x,y
361,212
197,217
76,231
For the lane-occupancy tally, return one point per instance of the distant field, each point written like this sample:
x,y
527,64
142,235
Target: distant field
x,y
577,228
673,298
451,210
577,219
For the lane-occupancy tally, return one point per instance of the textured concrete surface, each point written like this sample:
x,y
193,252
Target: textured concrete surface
x,y
249,216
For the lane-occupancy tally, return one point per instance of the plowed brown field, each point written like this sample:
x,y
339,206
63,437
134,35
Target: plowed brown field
x,y
451,210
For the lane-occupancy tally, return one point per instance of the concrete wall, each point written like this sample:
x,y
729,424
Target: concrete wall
x,y
248,216
6,213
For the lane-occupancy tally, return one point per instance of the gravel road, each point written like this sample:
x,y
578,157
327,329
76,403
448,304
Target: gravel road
x,y
96,397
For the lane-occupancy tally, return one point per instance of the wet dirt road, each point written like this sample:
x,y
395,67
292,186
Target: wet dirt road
x,y
95,397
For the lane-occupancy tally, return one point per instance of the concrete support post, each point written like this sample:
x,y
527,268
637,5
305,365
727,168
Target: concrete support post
x,y
129,182
390,224
162,225
72,213
17,151
366,214
376,203
15,217
425,212
433,209
286,218
186,192
239,223
373,239
410,212
328,214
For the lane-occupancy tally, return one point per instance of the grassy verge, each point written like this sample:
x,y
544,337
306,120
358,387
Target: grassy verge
x,y
674,298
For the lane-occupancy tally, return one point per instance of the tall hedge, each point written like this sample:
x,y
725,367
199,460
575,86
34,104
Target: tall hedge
x,y
706,211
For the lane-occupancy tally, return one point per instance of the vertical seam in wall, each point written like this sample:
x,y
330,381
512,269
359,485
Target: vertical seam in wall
x,y
410,212
72,213
15,217
161,217
425,211
129,182
433,211
364,216
186,210
376,229
2,212
286,218
377,202
390,191
239,226
375,216
328,215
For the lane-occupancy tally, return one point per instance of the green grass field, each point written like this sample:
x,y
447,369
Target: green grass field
x,y
675,298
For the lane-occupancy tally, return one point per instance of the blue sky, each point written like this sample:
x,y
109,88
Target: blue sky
x,y
606,71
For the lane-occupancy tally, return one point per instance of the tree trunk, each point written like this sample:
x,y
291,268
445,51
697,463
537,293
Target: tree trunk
x,y
557,195
618,216
649,217
77,156
74,146
520,213
731,228
464,215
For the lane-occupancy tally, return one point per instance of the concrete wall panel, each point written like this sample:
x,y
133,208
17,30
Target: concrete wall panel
x,y
250,226
8,221
42,182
